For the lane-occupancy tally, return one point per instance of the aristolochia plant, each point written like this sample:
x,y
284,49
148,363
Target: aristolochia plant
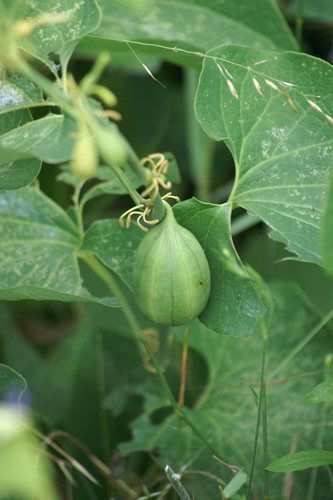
x,y
273,108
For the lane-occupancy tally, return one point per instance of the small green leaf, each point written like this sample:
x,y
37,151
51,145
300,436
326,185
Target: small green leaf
x,y
234,304
301,460
115,246
322,392
235,484
255,396
41,139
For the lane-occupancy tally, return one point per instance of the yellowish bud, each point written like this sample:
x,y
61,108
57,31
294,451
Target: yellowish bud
x,y
110,145
85,156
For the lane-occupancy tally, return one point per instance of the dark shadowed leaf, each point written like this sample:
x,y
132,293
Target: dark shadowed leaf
x,y
234,304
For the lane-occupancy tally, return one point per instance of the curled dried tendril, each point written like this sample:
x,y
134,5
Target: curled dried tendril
x,y
142,215
143,210
158,172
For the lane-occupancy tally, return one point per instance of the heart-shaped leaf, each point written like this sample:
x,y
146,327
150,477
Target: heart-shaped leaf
x,y
275,113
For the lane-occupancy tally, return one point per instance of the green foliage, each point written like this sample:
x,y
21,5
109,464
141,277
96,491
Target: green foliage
x,y
322,392
301,460
133,408
234,304
282,158
59,37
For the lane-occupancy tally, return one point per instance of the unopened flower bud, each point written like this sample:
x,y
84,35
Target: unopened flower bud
x,y
85,156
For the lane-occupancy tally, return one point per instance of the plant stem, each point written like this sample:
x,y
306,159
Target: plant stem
x,y
178,411
265,441
103,273
319,442
101,396
179,443
181,396
201,436
159,372
47,86
262,383
127,184
144,177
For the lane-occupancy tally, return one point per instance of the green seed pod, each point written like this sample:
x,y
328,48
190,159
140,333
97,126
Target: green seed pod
x,y
171,276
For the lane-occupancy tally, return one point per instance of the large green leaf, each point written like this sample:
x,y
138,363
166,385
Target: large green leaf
x,y
17,169
327,239
40,138
282,159
81,17
38,250
225,413
115,246
234,304
197,25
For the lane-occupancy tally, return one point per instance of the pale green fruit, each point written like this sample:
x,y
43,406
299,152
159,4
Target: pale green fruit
x,y
85,156
171,276
110,144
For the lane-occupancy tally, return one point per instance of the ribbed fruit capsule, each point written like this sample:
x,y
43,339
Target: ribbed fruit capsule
x,y
171,276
